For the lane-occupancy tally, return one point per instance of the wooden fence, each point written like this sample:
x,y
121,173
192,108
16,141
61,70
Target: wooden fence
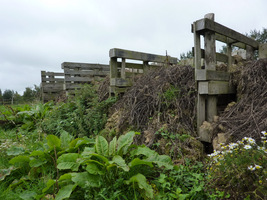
x,y
52,85
210,82
79,73
121,73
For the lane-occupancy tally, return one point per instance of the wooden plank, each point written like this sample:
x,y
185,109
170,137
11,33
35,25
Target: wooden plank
x,y
207,24
79,79
230,41
263,51
52,73
197,49
123,65
212,107
211,75
117,90
249,53
113,68
84,65
52,79
215,88
119,82
219,56
86,72
201,110
209,45
134,55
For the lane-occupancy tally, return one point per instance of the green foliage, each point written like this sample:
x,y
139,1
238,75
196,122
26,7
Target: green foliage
x,y
260,36
186,55
83,114
240,169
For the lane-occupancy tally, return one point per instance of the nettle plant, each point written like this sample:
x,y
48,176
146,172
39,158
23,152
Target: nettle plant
x,y
240,169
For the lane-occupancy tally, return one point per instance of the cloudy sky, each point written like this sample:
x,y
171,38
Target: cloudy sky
x,y
39,35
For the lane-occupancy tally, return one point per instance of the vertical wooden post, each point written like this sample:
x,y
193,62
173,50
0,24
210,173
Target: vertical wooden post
x,y
210,64
113,73
249,52
201,102
146,66
229,54
123,76
263,51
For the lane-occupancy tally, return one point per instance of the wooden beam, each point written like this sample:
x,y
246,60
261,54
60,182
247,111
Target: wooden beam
x,y
119,82
263,51
207,24
211,75
215,88
123,65
84,65
134,55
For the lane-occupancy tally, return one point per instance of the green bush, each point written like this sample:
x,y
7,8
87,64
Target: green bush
x,y
240,169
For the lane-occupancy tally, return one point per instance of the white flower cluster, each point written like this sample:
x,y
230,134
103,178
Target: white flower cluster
x,y
246,143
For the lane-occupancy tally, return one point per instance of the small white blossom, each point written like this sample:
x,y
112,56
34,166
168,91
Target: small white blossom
x,y
258,166
264,133
251,168
261,148
247,147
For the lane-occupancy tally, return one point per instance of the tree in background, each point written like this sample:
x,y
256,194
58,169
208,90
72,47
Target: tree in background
x,y
186,55
1,96
8,96
260,36
31,94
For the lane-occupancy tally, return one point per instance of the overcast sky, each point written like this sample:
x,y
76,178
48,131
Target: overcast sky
x,y
39,35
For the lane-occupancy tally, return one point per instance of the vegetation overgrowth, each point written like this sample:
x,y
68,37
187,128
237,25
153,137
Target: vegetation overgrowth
x,y
59,151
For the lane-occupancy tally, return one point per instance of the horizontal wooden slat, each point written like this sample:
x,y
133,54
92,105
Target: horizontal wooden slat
x,y
44,73
215,87
91,73
119,82
52,79
84,65
134,55
78,79
207,24
202,75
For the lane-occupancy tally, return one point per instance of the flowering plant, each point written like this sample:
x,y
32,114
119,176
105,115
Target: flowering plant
x,y
240,169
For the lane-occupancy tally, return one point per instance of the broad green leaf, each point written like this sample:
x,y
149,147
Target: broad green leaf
x,y
37,153
28,195
53,141
140,179
65,177
100,157
138,161
65,192
6,172
68,165
101,146
124,142
49,184
68,157
68,161
84,179
94,168
37,162
65,139
87,152
15,151
112,146
143,150
19,160
161,160
120,162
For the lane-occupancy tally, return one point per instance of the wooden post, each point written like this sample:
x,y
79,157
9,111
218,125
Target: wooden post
x,y
263,51
201,102
123,76
249,52
229,54
146,66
